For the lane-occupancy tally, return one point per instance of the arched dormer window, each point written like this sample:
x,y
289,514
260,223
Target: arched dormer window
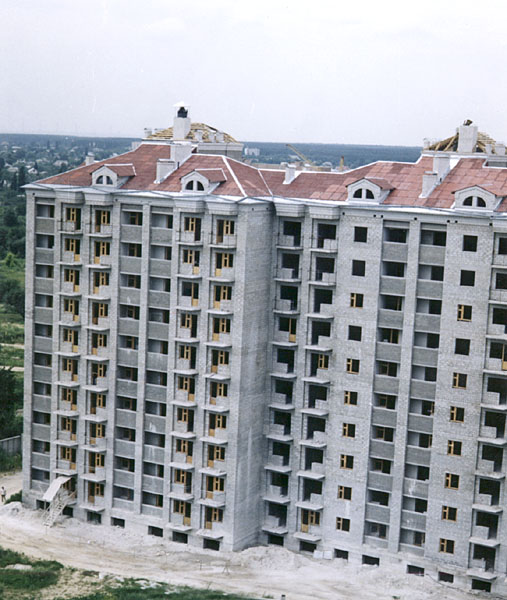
x,y
364,193
475,197
474,201
194,185
104,180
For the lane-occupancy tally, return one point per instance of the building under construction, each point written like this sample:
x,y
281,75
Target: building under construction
x,y
225,356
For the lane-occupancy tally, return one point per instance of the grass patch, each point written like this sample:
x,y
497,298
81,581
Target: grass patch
x,y
11,332
136,590
9,462
12,357
16,583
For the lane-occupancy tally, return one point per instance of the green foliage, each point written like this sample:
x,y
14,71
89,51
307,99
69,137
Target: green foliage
x,y
9,425
27,581
9,462
134,590
17,497
12,282
11,357
10,333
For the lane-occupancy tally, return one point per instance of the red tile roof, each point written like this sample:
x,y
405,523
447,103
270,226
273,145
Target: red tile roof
x,y
239,179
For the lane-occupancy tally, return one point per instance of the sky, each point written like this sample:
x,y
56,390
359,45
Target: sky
x,y
358,72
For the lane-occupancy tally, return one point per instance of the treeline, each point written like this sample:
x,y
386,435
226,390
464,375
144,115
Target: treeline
x,y
12,250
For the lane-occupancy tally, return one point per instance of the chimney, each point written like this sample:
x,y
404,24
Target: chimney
x,y
180,152
89,158
430,181
220,136
441,165
290,173
500,148
165,167
181,124
467,139
147,132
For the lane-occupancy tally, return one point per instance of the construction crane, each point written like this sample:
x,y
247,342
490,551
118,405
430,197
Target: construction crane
x,y
304,158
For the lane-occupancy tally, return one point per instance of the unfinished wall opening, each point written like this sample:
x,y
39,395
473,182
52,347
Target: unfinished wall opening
x,y
490,487
320,329
414,570
117,522
485,554
311,486
325,234
314,424
180,537
313,455
292,230
290,262
281,450
209,544
498,385
320,297
156,531
284,390
370,560
289,296
445,577
324,268
277,513
316,393
483,586
307,547
93,517
281,481
275,540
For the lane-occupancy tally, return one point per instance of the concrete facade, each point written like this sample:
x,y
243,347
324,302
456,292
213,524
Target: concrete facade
x,y
225,370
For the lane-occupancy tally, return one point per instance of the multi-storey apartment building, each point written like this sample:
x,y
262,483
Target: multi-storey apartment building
x,y
225,356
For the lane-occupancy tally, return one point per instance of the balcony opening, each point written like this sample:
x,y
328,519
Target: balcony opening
x,y
320,297
320,328
314,424
316,393
311,486
325,231
284,388
313,455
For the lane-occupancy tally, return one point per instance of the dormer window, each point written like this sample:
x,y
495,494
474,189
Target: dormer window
x,y
476,201
194,185
368,189
475,198
104,180
364,193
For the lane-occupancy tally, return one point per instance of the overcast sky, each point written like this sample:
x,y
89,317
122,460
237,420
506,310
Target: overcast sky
x,y
379,72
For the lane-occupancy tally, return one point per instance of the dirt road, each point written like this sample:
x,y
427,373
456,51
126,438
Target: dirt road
x,y
259,572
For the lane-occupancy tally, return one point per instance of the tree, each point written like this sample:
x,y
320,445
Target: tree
x,y
21,177
14,182
8,404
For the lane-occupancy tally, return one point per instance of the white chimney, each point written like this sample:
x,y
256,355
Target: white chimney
x,y
198,133
165,167
290,173
467,139
500,148
89,158
181,124
147,132
430,181
441,165
220,136
180,152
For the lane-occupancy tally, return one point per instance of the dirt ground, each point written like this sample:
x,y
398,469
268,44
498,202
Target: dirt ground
x,y
259,572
